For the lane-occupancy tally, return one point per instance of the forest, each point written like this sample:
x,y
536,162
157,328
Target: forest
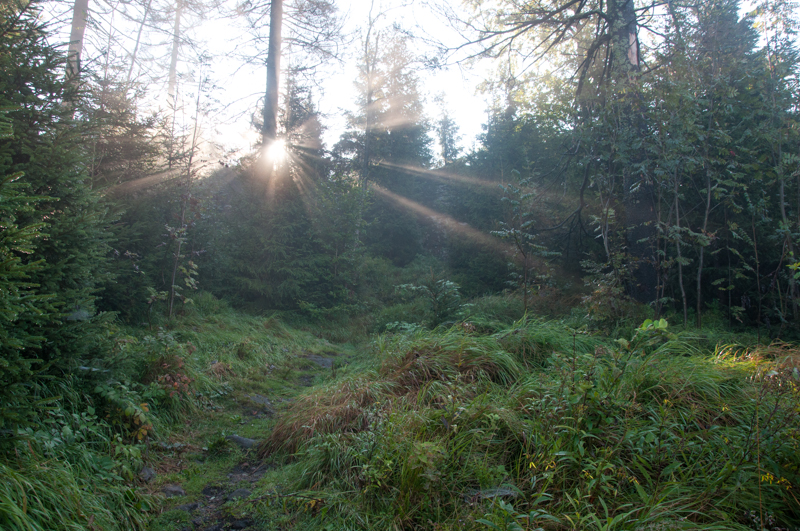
x,y
318,307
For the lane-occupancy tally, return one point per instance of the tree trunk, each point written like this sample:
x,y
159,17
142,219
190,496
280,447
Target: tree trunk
x,y
186,198
661,272
173,63
80,14
678,250
138,40
758,276
370,64
370,61
789,244
173,80
699,321
624,35
640,215
525,284
270,127
108,52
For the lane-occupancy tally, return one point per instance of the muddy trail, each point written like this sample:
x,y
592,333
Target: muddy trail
x,y
208,476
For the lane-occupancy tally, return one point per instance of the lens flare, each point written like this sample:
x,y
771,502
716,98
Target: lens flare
x,y
276,151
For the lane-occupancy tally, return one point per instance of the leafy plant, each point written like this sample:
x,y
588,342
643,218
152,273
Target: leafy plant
x,y
520,229
440,295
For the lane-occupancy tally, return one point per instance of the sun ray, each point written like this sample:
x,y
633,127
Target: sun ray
x,y
448,222
142,182
458,227
439,175
277,151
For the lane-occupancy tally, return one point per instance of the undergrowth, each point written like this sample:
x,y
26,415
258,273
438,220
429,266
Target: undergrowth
x,y
538,426
76,466
488,424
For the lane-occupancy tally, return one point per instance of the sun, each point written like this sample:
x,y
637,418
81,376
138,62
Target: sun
x,y
277,151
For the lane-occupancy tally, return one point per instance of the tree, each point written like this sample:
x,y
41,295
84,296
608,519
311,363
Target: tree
x,y
447,135
388,133
605,32
779,33
270,130
601,41
314,30
722,46
178,234
20,301
520,229
285,241
135,51
57,259
80,17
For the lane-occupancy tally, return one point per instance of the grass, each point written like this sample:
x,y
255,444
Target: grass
x,y
66,476
490,424
450,431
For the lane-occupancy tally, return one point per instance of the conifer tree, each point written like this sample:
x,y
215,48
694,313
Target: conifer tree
x,y
61,252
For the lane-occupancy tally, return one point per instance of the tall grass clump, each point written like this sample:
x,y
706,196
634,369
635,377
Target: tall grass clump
x,y
219,342
70,470
638,433
53,493
534,340
410,368
343,406
446,355
494,312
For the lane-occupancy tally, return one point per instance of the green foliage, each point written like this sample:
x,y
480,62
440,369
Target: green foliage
x,y
63,467
68,469
609,303
53,245
124,144
49,494
687,172
441,297
519,230
20,301
645,431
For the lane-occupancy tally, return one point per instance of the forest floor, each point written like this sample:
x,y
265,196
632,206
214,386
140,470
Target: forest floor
x,y
206,473
489,424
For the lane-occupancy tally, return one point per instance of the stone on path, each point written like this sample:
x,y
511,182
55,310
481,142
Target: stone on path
x,y
212,491
244,442
260,400
239,493
325,363
500,492
174,490
147,474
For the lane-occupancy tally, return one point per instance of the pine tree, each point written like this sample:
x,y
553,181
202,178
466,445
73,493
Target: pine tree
x,y
47,149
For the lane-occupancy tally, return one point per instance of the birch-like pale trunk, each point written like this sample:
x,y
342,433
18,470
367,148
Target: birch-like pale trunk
x,y
80,15
699,320
185,200
173,63
678,250
138,41
269,132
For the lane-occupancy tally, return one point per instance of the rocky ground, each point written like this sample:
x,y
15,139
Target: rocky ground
x,y
207,476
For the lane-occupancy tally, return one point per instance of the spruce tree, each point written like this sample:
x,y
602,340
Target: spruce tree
x,y
45,151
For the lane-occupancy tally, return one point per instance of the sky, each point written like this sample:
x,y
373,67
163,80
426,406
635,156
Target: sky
x,y
236,85
336,92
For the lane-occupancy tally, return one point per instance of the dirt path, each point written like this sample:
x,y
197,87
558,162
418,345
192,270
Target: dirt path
x,y
208,473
